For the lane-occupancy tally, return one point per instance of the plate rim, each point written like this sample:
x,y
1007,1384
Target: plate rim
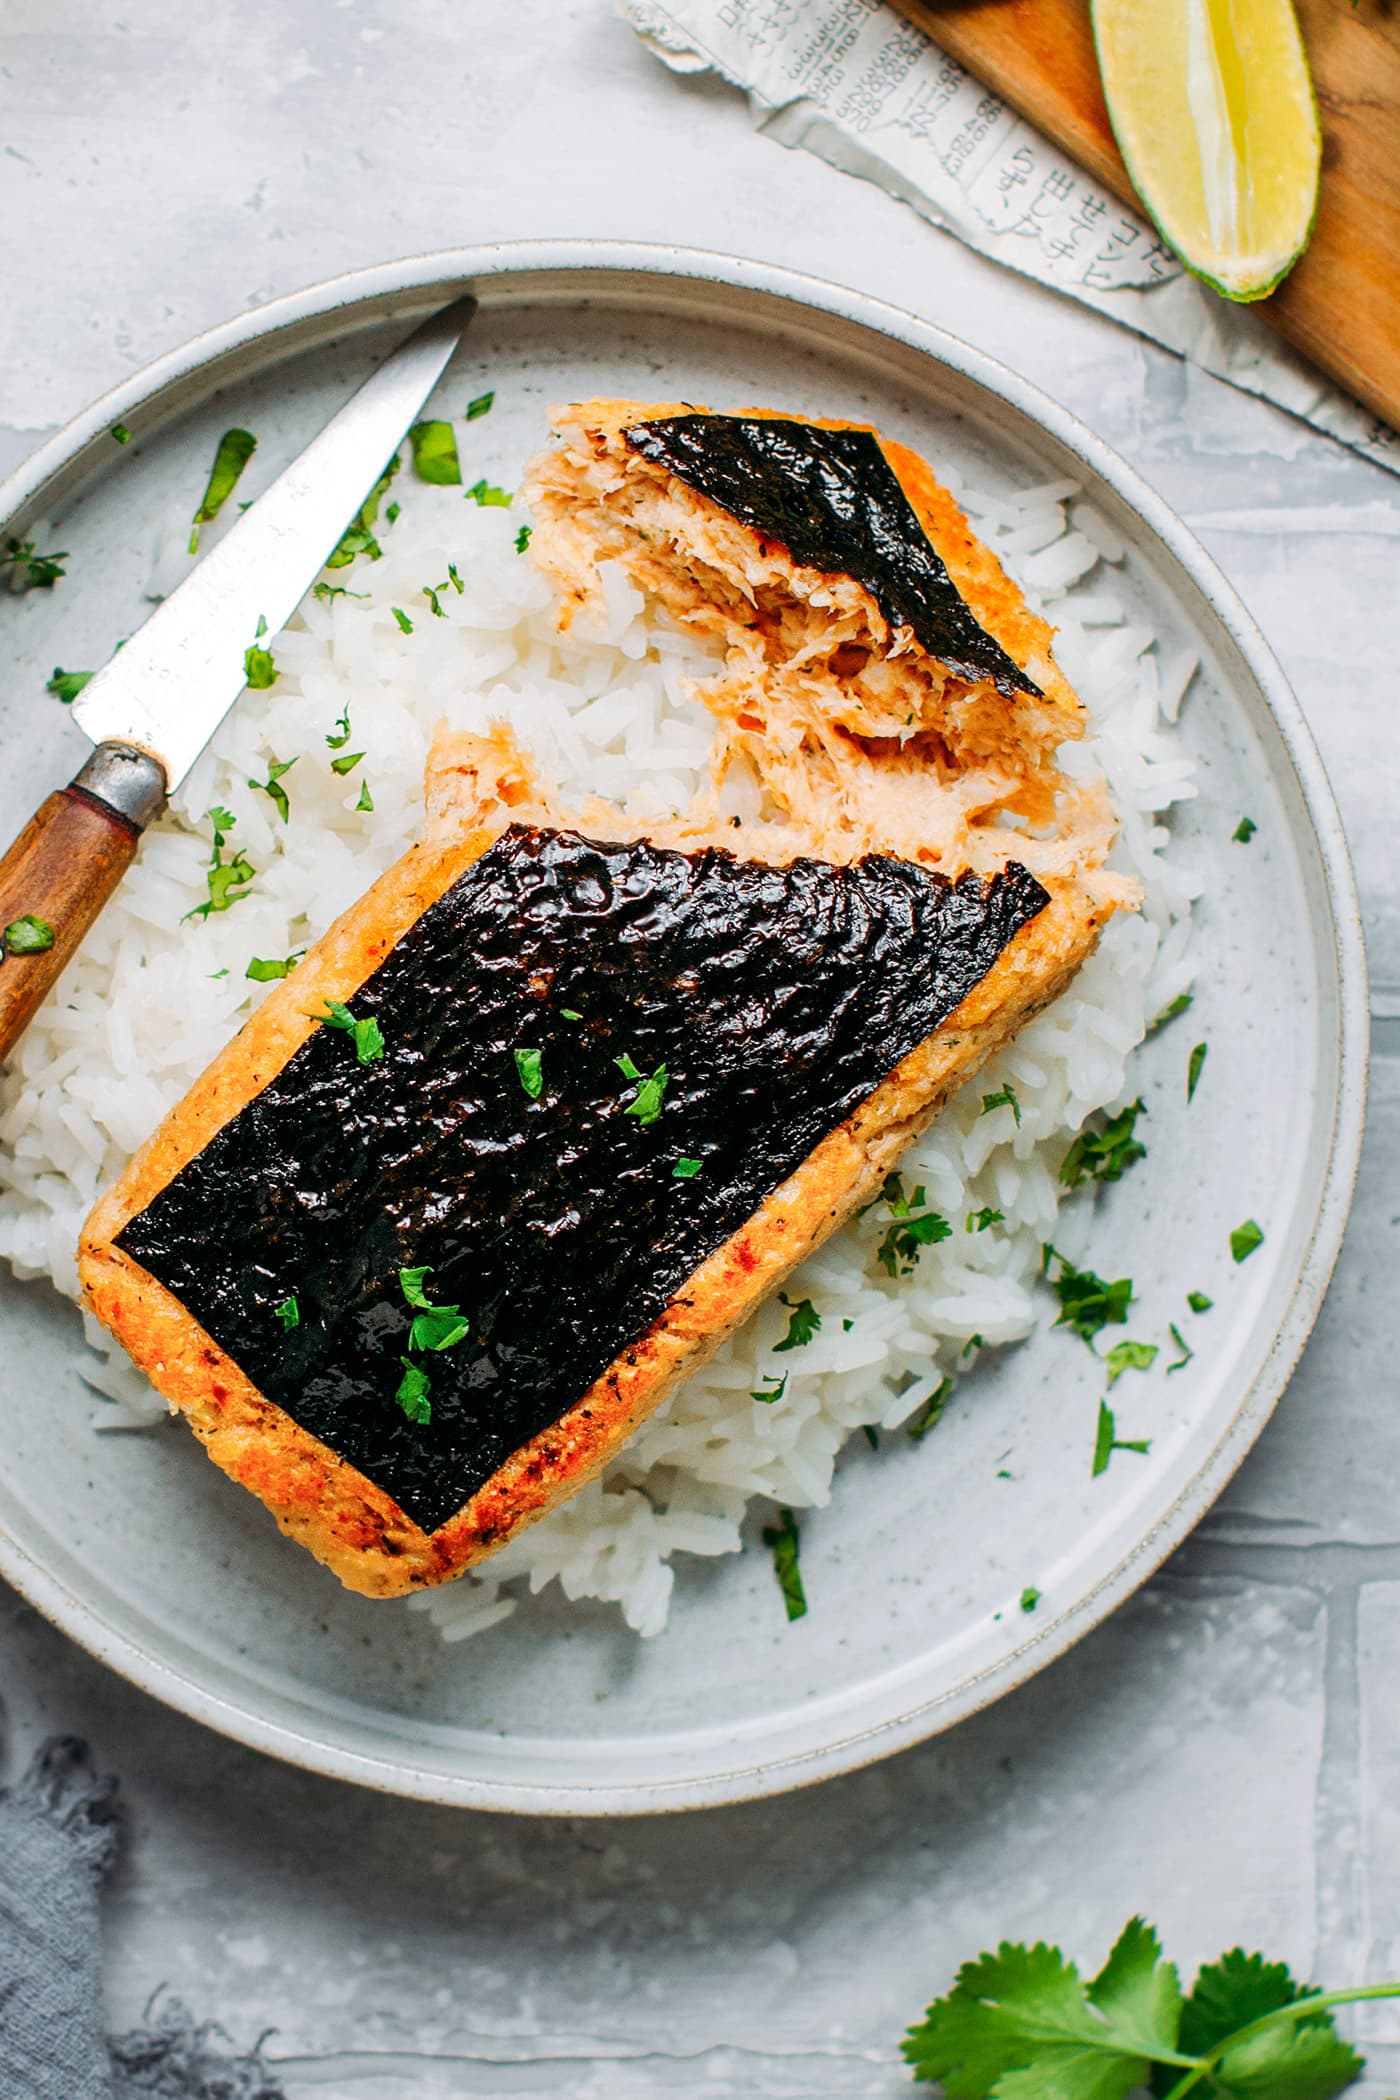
x,y
64,459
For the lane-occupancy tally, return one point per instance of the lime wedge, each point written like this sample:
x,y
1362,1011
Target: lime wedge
x,y
1213,109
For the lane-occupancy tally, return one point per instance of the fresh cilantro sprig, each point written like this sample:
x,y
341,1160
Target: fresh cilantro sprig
x,y
803,1322
1022,2024
228,880
272,787
1087,1303
1005,1097
26,569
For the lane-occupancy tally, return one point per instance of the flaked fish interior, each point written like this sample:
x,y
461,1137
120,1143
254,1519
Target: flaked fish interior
x,y
614,1077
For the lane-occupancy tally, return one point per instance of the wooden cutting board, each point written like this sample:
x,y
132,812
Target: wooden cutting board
x,y
1341,303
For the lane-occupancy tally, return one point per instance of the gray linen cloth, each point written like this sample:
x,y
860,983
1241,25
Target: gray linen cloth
x,y
59,1832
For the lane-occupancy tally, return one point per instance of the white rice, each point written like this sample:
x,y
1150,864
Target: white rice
x,y
152,997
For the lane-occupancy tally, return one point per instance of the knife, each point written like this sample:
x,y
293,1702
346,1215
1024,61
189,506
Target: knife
x,y
154,707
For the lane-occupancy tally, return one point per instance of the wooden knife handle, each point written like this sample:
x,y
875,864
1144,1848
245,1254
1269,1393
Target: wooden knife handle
x,y
61,870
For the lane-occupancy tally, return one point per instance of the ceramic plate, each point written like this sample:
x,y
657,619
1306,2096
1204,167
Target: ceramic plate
x,y
145,1554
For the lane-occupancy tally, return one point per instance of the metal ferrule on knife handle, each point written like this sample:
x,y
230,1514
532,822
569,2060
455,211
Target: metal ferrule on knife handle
x,y
64,866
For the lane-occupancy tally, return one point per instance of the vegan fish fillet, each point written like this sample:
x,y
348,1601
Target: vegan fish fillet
x,y
413,1284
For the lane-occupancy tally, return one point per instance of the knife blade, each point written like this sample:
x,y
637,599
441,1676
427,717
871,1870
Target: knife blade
x,y
154,707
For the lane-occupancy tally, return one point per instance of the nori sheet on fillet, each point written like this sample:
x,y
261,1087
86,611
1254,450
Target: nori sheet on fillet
x,y
834,501
776,998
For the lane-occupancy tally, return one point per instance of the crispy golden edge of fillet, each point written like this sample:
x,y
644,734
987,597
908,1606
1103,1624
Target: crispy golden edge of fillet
x,y
323,1501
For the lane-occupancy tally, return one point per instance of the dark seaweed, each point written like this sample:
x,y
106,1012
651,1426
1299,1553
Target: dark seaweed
x,y
777,998
834,501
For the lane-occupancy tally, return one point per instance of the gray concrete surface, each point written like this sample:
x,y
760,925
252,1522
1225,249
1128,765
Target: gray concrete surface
x,y
1224,1754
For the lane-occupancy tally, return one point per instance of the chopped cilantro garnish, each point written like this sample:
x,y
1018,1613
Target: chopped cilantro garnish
x,y
778,1388
405,624
66,685
347,761
454,579
411,1284
1198,1301
1244,831
645,1104
1103,1154
784,1542
974,1341
1029,1599
393,513
366,800
488,496
432,591
272,787
358,537
1187,1352
326,591
264,969
528,1066
1193,1069
1087,1303
29,569
982,1220
288,1312
685,1170
228,880
931,1413
259,667
367,1035
1005,1097
120,432
1179,1005
1244,1239
522,538
899,1250
412,1394
480,406
342,732
803,1322
435,453
871,1438
236,448
1107,1441
28,935
1130,1356
846,1326
435,1327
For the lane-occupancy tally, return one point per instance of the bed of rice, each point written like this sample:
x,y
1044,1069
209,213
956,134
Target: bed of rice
x,y
153,996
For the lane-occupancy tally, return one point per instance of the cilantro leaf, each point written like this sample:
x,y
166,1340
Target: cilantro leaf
x,y
367,1036
120,432
228,880
1029,1599
1005,1097
435,453
1299,2059
981,1220
440,1327
265,969
1107,1441
488,497
27,935
1087,1303
1187,1352
480,406
259,667
685,1169
1130,1356
272,787
914,1228
1198,1301
66,685
346,763
404,623
235,449
412,1394
1194,1066
645,1104
931,1413
778,1385
29,569
1244,831
288,1312
1103,1154
366,800
784,1542
1182,1002
528,1067
1244,1239
411,1284
803,1322
326,591
358,536
522,538
342,729
1022,2024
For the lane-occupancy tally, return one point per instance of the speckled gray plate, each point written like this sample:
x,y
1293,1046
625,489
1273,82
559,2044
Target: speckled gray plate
x,y
153,1561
